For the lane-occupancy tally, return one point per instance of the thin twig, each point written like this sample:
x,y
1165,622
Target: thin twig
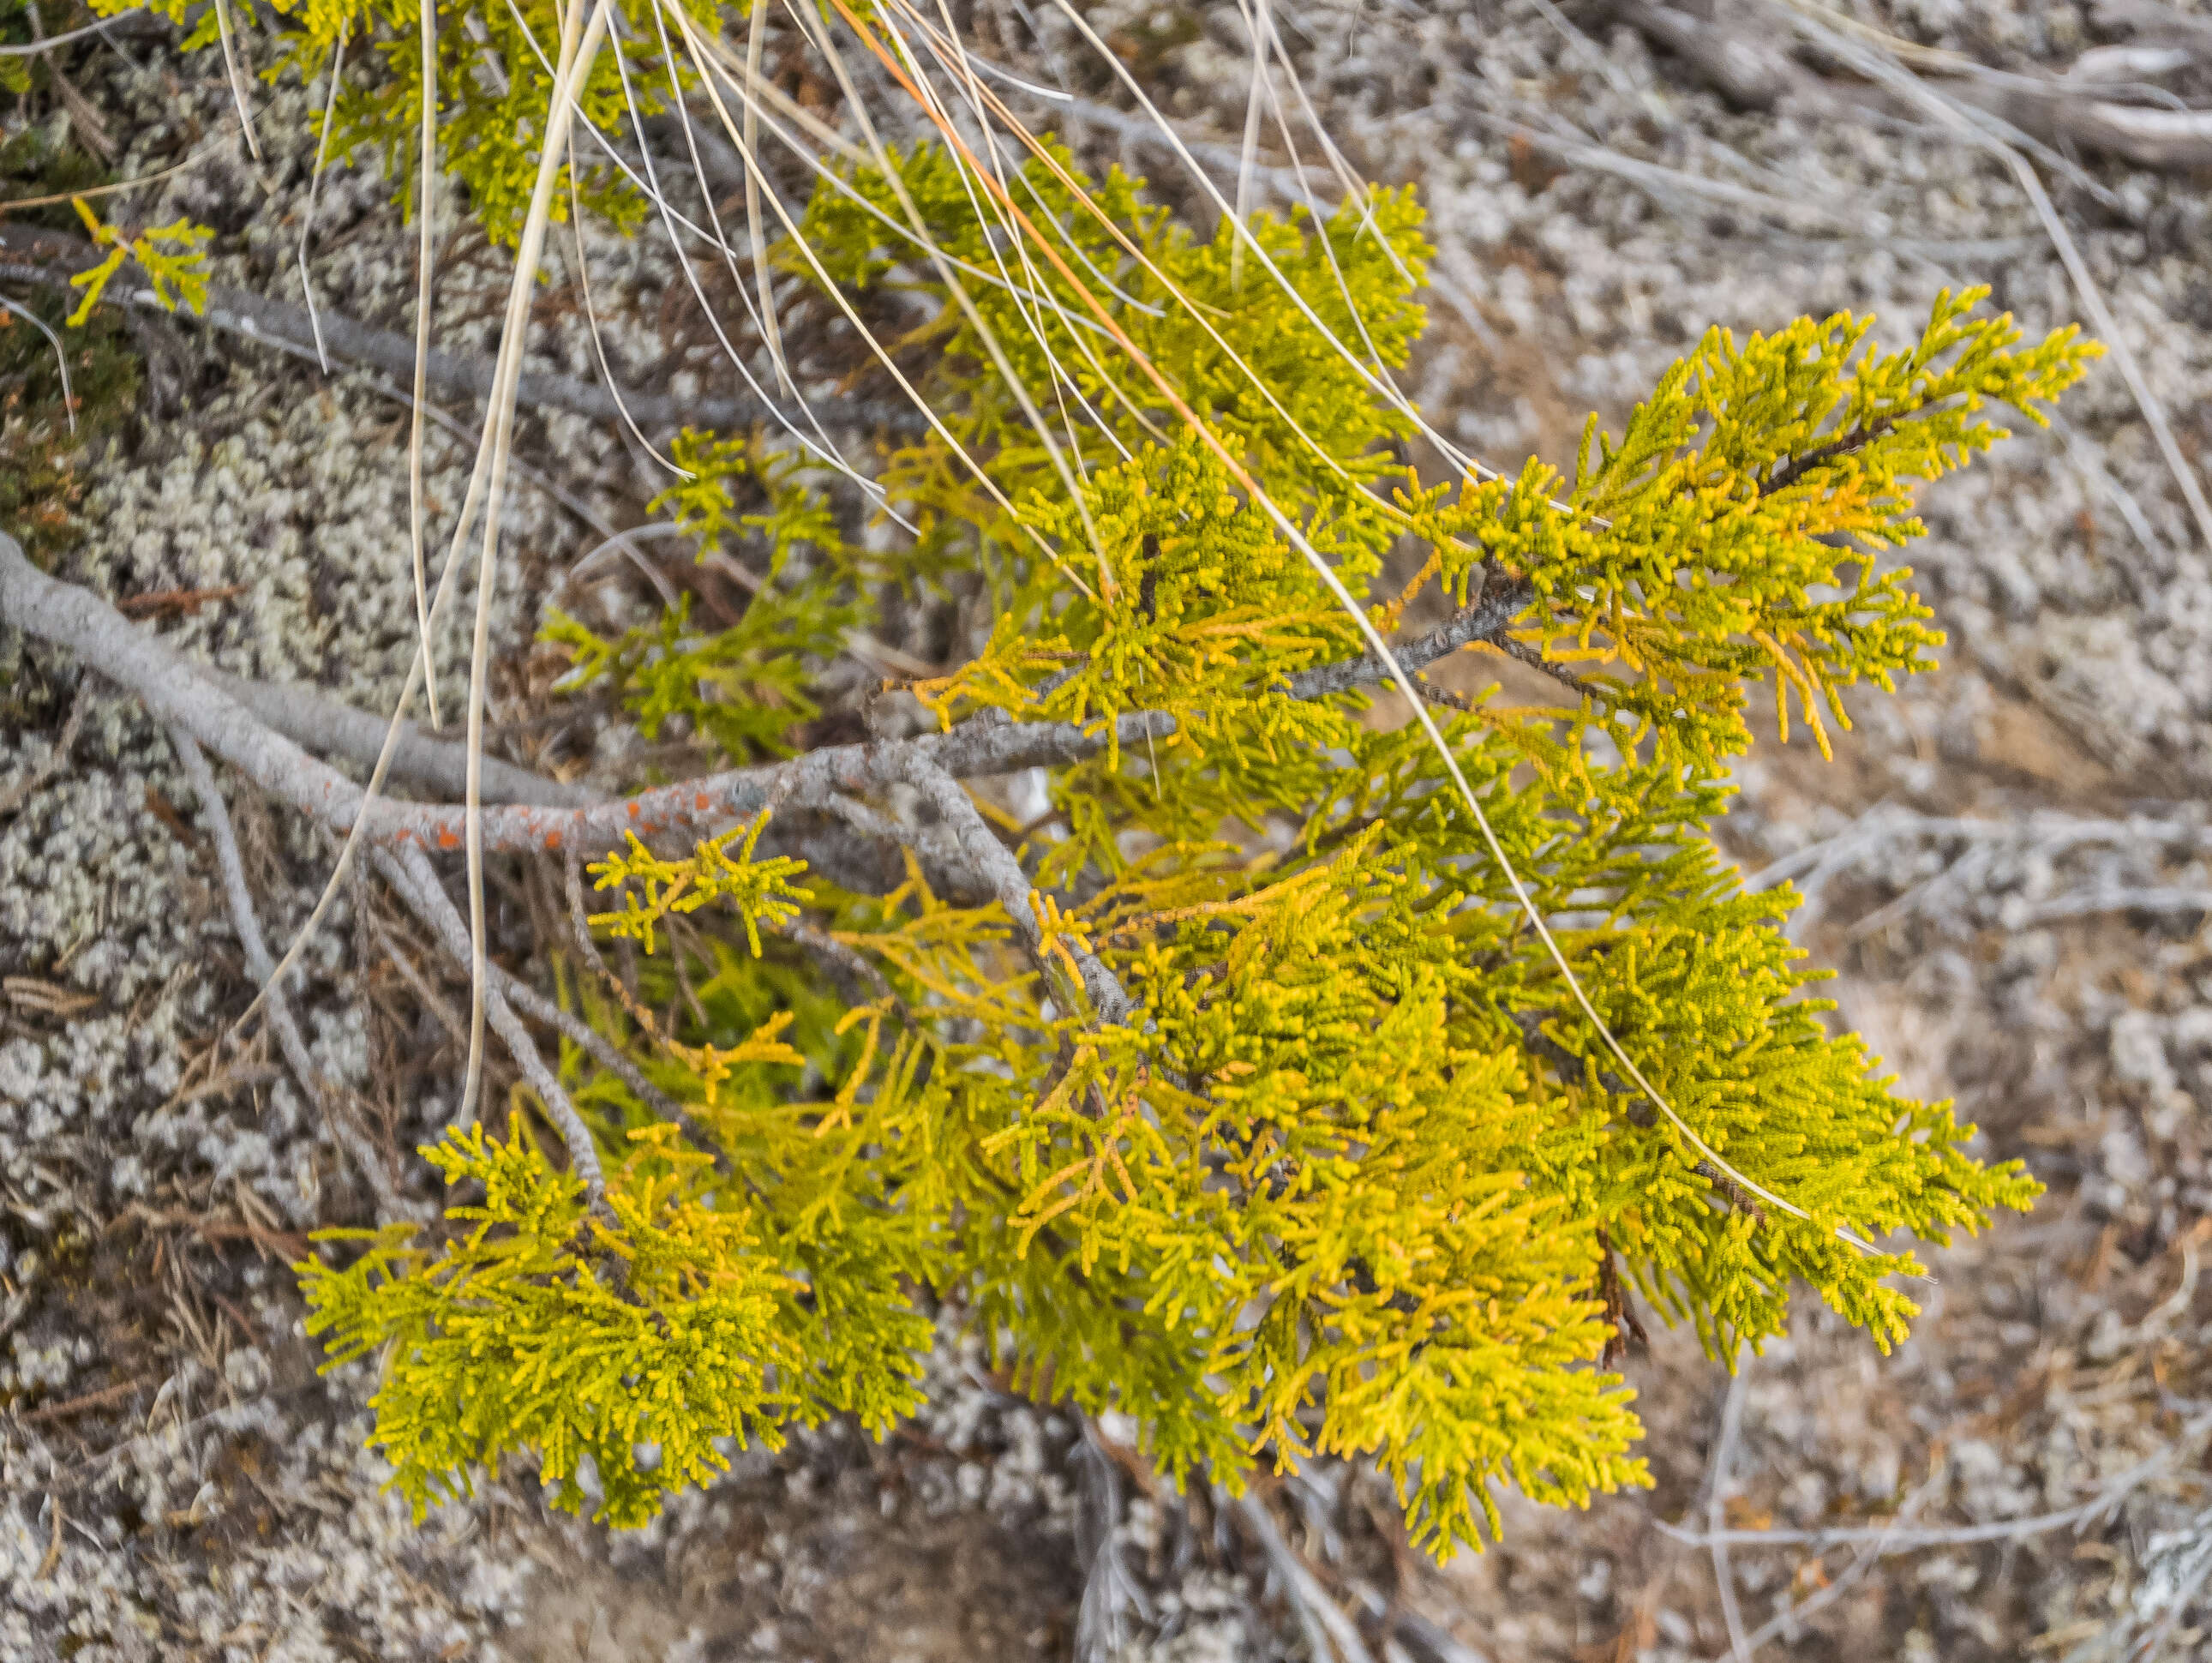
x,y
262,968
47,259
1893,1540
90,1400
35,48
411,874
1717,1494
1787,1622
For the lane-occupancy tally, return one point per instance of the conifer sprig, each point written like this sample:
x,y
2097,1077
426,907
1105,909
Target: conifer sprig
x,y
1337,1181
1294,1083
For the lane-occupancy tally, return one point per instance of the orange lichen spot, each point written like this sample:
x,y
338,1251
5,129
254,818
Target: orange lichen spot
x,y
632,811
447,837
702,801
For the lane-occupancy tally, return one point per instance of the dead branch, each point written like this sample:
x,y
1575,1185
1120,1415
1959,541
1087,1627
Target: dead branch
x,y
262,968
179,693
49,259
313,718
409,872
1738,58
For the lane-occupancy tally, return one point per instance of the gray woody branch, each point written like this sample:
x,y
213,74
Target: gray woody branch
x,y
216,712
261,967
48,259
180,693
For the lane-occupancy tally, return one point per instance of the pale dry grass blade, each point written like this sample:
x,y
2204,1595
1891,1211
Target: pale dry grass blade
x,y
1255,98
1014,382
592,323
426,218
35,48
755,40
946,46
2108,331
579,48
1880,60
237,78
61,356
822,448
314,182
1388,392
867,336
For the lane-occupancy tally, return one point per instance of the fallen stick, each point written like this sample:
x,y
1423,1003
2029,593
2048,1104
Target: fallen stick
x,y
49,259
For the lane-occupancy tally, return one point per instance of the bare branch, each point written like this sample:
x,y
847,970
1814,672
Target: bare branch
x,y
259,965
410,873
49,259
309,716
178,691
978,848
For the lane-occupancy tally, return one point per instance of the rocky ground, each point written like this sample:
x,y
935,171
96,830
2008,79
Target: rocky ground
x,y
2007,864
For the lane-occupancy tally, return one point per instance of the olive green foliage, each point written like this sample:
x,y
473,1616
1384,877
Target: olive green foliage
x,y
759,891
659,1321
1355,1175
173,258
1688,552
42,454
494,84
743,688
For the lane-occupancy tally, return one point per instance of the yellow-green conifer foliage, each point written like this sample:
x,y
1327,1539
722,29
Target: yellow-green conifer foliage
x,y
495,70
1353,1173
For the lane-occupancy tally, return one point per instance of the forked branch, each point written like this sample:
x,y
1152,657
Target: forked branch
x,y
214,713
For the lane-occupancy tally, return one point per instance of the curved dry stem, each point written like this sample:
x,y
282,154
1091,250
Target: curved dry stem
x,y
247,927
579,46
426,222
60,356
314,184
